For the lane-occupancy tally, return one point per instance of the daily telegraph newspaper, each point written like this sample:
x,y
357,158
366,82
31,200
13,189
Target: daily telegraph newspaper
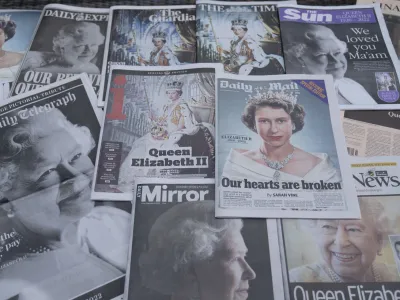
x,y
158,122
343,259
149,36
372,131
351,43
55,243
68,40
281,149
180,250
16,32
243,36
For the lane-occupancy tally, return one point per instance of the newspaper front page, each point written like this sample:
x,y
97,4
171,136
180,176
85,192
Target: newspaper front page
x,y
351,43
281,149
17,28
243,36
68,40
55,242
180,250
158,122
149,36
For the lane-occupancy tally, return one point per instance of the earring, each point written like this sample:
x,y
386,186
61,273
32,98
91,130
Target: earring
x,y
10,213
379,253
293,126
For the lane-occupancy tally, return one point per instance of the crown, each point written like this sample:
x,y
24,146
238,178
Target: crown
x,y
281,95
174,85
5,18
239,22
159,35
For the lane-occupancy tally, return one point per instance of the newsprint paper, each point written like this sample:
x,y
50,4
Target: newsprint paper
x,y
281,149
68,40
55,243
179,250
351,43
243,36
18,27
149,36
158,122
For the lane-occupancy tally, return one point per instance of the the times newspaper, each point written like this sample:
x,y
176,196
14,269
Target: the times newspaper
x,y
179,250
149,36
158,122
243,36
68,40
55,242
18,27
351,43
280,149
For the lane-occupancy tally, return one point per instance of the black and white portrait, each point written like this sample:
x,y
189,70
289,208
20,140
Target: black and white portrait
x,y
48,221
206,258
316,49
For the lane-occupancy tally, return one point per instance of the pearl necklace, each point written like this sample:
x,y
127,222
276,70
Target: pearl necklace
x,y
335,278
276,165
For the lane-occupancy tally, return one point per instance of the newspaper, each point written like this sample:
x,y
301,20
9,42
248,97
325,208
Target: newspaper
x,y
180,250
281,149
68,40
243,36
157,123
351,43
17,28
47,219
372,131
149,36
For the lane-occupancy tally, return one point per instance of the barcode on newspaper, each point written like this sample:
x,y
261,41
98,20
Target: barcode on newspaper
x,y
352,151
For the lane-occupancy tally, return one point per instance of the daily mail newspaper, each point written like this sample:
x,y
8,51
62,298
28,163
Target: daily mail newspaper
x,y
243,36
180,250
351,43
68,40
149,36
281,149
17,28
158,122
55,242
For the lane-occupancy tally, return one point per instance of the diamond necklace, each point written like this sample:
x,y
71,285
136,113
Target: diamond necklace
x,y
335,278
276,165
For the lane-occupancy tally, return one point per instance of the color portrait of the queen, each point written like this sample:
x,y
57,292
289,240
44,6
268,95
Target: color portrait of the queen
x,y
275,117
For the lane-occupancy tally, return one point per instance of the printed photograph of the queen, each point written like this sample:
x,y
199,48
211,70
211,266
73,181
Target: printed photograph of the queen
x,y
286,143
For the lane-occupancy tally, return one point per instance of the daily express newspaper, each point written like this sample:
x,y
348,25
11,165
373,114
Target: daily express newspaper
x,y
17,28
351,43
243,36
55,243
180,250
149,36
158,122
281,149
68,40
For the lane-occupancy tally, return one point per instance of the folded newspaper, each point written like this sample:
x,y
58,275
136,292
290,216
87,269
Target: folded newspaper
x,y
243,36
351,43
68,40
149,36
158,122
17,28
179,250
281,149
55,242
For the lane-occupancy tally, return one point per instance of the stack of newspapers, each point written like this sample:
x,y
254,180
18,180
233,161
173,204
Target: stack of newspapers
x,y
217,151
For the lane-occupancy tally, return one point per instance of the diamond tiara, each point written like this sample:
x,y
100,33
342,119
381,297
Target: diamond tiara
x,y
239,22
159,35
259,97
174,85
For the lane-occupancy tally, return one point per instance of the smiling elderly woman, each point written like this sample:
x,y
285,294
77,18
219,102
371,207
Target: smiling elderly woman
x,y
45,180
204,259
275,117
349,248
76,46
315,49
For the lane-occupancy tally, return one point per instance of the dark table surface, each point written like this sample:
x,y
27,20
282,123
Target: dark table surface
x,y
39,4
